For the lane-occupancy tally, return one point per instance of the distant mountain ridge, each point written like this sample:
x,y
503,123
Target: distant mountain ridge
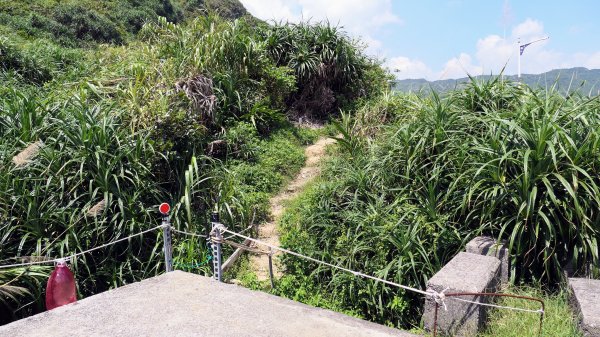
x,y
585,81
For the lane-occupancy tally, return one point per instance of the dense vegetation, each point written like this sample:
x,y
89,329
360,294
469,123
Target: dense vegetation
x,y
81,22
107,109
93,137
416,178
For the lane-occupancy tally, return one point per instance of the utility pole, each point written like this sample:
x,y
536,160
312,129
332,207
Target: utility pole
x,y
522,49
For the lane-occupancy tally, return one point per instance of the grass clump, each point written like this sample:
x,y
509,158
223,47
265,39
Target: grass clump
x,y
18,284
559,320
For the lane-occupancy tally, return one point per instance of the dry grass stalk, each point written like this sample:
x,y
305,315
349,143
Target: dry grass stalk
x,y
97,208
199,89
25,156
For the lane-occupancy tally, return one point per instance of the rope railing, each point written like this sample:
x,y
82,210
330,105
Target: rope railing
x,y
438,297
353,272
187,233
70,257
454,298
216,238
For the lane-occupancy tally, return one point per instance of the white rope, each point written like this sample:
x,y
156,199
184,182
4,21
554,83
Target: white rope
x,y
355,273
539,311
187,233
241,232
439,297
80,253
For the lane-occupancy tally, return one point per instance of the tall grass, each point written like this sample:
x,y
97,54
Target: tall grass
x,y
494,158
89,146
559,319
19,290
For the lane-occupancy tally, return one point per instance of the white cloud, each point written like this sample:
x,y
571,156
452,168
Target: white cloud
x,y
403,67
278,10
529,29
459,67
592,61
492,53
360,18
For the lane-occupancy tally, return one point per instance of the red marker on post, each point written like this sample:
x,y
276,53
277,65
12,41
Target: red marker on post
x,y
164,209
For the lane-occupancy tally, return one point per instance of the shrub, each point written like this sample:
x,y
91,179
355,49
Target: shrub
x,y
230,9
38,61
242,142
330,67
86,24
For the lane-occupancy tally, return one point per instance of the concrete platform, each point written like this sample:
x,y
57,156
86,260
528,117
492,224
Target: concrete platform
x,y
183,304
585,299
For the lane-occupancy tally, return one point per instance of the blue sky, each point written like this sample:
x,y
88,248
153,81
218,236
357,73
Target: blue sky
x,y
450,38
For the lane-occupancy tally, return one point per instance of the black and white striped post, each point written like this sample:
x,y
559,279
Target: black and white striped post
x,y
164,209
216,239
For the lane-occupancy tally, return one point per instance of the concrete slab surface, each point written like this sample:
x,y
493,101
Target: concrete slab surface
x,y
183,304
585,298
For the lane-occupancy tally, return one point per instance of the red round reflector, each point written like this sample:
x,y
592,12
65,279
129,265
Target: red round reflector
x,y
164,208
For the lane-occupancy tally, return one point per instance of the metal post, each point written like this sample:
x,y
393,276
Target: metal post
x,y
522,49
271,267
216,246
167,243
519,58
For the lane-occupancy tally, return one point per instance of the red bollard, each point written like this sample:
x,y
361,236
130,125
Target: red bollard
x,y
60,289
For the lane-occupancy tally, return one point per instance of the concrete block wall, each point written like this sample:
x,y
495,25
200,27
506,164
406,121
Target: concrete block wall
x,y
485,245
466,272
585,301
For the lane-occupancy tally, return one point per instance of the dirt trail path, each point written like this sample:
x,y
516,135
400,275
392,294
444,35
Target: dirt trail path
x,y
268,231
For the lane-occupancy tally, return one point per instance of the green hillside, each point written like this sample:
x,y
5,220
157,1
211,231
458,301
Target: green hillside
x,y
109,108
75,22
39,39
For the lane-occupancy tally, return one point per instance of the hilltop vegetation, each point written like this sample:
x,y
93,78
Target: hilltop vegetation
x,y
81,22
95,131
43,38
